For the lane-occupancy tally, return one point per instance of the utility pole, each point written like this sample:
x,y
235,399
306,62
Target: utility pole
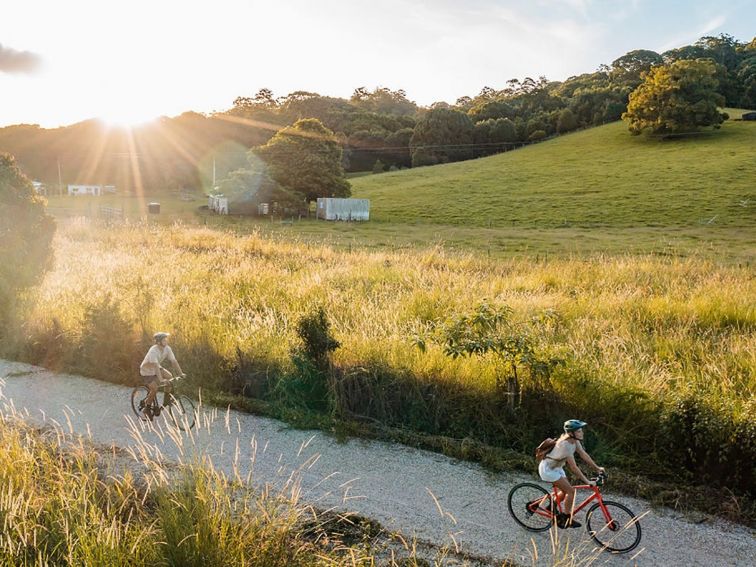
x,y
213,172
60,181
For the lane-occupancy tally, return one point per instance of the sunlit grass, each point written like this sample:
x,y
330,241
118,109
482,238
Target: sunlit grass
x,y
65,502
639,335
637,320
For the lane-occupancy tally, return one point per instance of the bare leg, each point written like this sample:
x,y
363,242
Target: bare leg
x,y
153,388
564,486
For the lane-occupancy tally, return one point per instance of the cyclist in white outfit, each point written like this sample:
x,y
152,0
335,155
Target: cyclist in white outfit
x,y
551,468
151,370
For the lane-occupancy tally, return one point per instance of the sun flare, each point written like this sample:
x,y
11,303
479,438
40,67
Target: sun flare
x,y
126,117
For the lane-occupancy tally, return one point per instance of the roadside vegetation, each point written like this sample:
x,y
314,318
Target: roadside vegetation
x,y
65,503
657,354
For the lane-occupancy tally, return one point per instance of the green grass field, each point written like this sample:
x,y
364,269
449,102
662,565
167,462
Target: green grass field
x,y
134,207
601,177
599,191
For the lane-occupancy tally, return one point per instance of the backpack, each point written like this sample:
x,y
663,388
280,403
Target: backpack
x,y
544,448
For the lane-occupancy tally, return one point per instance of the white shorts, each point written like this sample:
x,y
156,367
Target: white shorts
x,y
548,474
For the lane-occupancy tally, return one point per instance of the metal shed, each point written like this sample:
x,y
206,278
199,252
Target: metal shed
x,y
329,208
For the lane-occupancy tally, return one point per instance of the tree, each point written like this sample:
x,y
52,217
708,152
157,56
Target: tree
x,y
747,78
441,136
306,158
676,98
627,70
493,136
365,147
384,101
26,232
490,329
566,122
491,109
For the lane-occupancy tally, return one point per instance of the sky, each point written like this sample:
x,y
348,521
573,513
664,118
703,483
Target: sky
x,y
62,62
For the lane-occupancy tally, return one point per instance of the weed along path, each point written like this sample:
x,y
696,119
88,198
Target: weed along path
x,y
417,493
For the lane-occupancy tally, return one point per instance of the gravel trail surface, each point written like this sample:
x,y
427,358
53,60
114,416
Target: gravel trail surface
x,y
418,493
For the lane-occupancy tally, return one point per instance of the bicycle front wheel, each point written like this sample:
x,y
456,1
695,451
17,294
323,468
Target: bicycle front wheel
x,y
615,527
182,412
530,506
138,397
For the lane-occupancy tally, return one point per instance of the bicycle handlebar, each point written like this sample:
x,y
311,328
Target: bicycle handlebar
x,y
600,479
173,379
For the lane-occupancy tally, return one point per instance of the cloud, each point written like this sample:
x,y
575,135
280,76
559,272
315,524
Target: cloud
x,y
13,61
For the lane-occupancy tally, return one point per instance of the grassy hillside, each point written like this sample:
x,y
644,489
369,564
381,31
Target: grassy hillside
x,y
602,177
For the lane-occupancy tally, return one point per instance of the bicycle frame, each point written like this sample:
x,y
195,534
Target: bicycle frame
x,y
167,388
595,495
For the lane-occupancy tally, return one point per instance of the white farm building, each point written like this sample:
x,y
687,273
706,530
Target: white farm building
x,y
95,190
343,209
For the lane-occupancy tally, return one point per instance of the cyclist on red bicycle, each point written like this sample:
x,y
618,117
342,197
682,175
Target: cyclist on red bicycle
x,y
151,370
551,468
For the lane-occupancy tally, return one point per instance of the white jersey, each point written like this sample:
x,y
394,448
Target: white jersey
x,y
154,358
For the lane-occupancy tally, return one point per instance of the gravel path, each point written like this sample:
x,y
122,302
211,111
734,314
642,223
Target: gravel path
x,y
418,493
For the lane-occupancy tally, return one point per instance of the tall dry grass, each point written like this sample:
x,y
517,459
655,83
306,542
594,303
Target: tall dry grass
x,y
66,502
659,353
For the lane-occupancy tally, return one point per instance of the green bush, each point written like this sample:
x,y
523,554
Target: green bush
x,y
314,331
49,347
109,347
537,135
710,444
308,386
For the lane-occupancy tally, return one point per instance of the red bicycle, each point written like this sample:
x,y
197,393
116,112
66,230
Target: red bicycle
x,y
612,525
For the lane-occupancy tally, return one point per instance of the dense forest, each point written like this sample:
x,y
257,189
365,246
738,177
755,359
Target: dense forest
x,y
377,130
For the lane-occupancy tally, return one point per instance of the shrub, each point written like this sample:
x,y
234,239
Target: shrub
x,y
314,330
308,386
49,347
709,443
109,348
537,135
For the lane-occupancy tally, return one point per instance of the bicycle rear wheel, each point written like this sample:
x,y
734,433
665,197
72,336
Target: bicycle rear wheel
x,y
138,397
530,506
182,412
620,532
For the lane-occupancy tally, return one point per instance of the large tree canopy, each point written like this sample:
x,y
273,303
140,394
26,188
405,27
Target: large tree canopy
x,y
676,98
26,230
306,158
627,70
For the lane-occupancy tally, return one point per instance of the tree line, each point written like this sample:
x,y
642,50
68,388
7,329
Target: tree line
x,y
382,129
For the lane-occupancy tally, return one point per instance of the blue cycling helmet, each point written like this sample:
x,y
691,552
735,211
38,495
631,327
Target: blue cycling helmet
x,y
160,336
572,425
